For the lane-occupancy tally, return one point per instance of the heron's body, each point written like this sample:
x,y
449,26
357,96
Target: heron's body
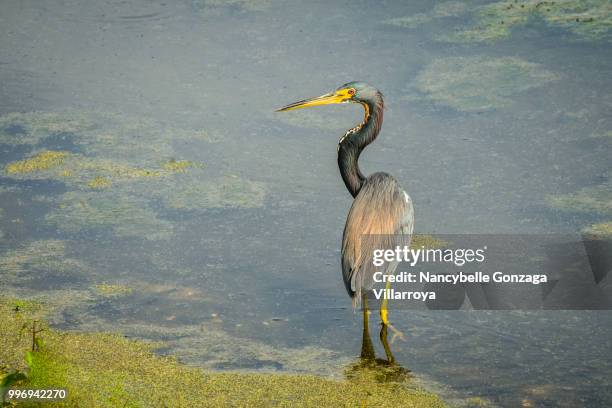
x,y
382,215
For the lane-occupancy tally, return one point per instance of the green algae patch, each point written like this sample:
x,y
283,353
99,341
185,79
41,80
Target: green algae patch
x,y
587,19
101,369
441,10
427,241
125,215
211,346
601,230
178,166
100,183
52,305
112,290
604,135
42,161
479,83
478,402
42,256
370,370
78,171
22,305
594,199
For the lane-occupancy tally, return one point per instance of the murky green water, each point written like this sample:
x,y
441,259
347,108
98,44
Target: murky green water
x,y
176,205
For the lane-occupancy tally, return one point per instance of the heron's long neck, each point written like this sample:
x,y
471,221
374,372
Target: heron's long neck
x,y
355,140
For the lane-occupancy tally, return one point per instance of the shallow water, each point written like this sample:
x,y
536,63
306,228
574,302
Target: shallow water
x,y
235,262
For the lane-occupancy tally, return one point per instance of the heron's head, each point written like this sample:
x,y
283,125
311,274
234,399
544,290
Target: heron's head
x,y
355,92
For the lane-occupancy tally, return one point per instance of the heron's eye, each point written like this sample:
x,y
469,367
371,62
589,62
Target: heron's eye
x,y
351,91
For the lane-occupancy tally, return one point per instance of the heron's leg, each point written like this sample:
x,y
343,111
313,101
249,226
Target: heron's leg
x,y
384,316
385,343
384,311
367,347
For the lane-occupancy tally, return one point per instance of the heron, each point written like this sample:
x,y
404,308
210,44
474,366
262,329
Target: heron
x,y
382,212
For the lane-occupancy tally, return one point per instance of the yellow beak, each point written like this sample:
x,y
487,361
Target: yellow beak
x,y
340,96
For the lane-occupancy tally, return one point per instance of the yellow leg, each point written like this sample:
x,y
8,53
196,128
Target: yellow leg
x,y
384,307
384,311
384,316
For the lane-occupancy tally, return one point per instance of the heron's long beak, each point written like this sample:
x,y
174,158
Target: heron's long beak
x,y
327,99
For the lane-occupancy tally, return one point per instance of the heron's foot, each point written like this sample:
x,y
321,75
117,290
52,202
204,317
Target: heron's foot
x,y
396,332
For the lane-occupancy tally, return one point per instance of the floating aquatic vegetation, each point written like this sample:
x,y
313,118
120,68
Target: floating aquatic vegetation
x,y
603,230
449,9
597,199
53,305
112,290
588,19
41,161
126,215
177,166
441,10
603,135
129,161
478,402
77,170
225,192
115,147
479,83
209,345
377,371
102,369
44,256
427,241
21,305
100,182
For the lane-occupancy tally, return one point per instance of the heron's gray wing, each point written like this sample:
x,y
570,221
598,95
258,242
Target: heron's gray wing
x,y
381,217
402,237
